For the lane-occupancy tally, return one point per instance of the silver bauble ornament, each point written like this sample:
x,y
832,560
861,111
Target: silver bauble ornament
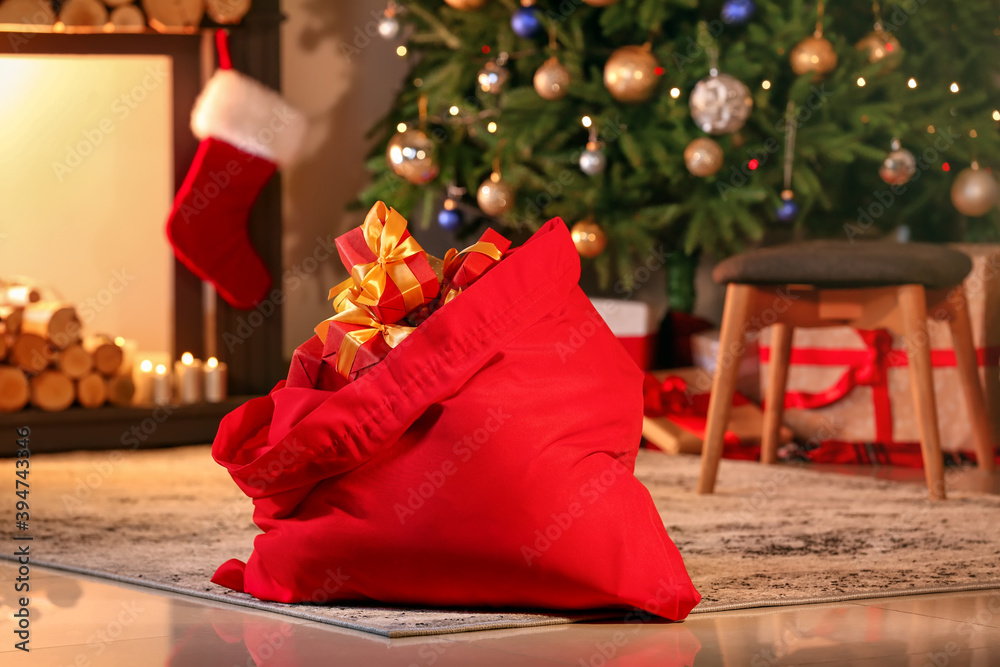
x,y
593,161
720,104
552,80
703,157
813,54
974,192
630,74
411,154
898,167
492,77
495,196
388,27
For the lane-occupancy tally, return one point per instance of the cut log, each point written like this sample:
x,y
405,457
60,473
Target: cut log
x,y
121,390
92,390
19,295
31,353
52,391
14,391
75,361
53,320
107,354
11,317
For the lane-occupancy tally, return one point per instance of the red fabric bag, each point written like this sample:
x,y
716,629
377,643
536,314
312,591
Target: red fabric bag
x,y
485,462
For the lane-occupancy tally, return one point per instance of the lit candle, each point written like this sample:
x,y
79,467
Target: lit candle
x,y
143,379
187,379
215,381
161,386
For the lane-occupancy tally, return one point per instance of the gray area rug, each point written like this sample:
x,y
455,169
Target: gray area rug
x,y
770,536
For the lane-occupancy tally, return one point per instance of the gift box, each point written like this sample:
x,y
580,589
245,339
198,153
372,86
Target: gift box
x,y
705,355
390,271
461,269
354,341
310,370
850,387
675,411
634,324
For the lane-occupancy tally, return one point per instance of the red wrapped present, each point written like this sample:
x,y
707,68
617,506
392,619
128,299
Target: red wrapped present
x,y
354,341
310,370
848,391
461,269
634,325
389,269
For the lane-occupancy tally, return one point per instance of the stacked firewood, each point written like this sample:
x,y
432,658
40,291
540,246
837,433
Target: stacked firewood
x,y
47,362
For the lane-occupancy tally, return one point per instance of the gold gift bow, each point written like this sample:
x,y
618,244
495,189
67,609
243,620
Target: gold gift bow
x,y
482,247
383,229
393,334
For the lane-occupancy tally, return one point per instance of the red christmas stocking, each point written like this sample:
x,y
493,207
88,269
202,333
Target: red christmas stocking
x,y
247,131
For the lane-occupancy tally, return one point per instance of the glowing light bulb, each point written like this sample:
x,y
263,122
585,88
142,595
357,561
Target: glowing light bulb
x,y
453,111
912,83
491,128
401,51
161,369
187,358
119,341
765,84
996,114
675,93
587,122
861,81
953,87
401,127
212,362
146,365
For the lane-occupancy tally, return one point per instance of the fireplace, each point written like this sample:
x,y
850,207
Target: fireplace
x,y
90,172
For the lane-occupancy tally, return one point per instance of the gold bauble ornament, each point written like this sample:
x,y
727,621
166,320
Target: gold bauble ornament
x,y
495,196
881,48
589,239
465,5
703,157
599,3
552,80
630,74
227,11
411,154
813,54
974,192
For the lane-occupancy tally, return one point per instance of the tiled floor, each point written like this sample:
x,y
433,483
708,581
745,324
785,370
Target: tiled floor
x,y
82,622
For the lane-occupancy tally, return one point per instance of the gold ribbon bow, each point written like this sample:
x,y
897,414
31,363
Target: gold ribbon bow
x,y
392,334
453,256
383,230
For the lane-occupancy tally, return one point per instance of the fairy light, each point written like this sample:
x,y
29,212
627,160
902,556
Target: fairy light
x,y
912,83
765,84
973,134
996,114
491,128
675,93
587,122
953,87
187,358
401,51
146,365
453,111
119,341
753,164
401,127
861,81
930,129
945,167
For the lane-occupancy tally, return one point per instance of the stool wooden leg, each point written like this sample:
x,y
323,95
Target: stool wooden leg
x,y
968,374
913,308
777,375
731,348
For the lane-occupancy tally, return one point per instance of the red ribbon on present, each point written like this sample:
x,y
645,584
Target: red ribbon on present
x,y
673,398
867,367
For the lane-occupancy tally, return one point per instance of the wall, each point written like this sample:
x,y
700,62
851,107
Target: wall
x,y
86,178
343,93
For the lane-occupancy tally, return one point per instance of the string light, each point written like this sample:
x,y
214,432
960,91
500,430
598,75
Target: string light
x,y
658,71
861,81
912,83
945,167
765,84
492,127
930,129
401,127
996,114
453,111
587,122
675,93
400,50
753,164
973,134
954,87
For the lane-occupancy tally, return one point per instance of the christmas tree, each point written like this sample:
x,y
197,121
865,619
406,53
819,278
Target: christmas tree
x,y
690,126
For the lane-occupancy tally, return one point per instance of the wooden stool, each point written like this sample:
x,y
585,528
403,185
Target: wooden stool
x,y
864,285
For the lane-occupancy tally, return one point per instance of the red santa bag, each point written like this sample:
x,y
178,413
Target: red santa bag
x,y
487,461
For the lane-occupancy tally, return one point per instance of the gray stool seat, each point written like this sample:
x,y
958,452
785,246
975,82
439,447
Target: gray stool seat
x,y
844,265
